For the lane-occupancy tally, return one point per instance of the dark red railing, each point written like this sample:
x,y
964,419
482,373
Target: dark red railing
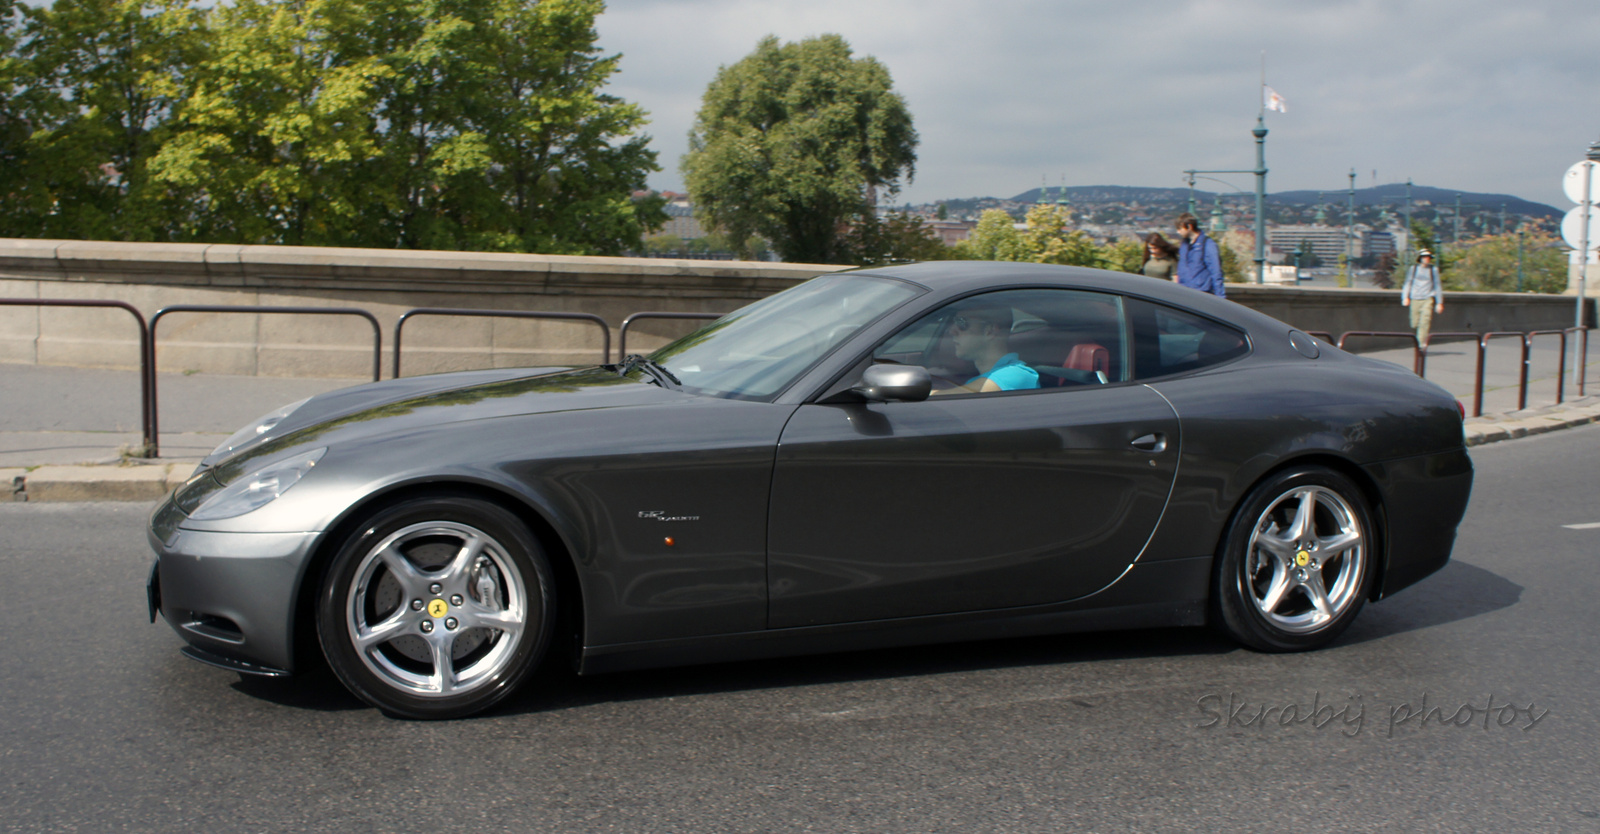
x,y
1416,346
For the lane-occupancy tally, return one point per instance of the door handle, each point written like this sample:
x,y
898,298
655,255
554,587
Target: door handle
x,y
1153,442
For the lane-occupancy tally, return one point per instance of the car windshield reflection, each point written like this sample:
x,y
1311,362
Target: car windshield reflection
x,y
756,351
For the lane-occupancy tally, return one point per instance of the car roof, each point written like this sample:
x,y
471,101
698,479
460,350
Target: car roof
x,y
960,277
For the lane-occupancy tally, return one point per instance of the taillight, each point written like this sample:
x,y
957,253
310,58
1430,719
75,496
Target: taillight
x,y
1462,407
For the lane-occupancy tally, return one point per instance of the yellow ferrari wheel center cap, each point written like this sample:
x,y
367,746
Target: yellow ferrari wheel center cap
x,y
438,608
1302,559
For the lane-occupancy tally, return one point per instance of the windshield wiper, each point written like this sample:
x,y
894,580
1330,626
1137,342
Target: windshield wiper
x,y
657,371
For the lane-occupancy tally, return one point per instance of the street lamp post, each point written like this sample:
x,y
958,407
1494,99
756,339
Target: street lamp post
x,y
1260,132
1593,155
1350,231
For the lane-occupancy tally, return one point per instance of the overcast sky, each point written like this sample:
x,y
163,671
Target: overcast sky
x,y
1480,95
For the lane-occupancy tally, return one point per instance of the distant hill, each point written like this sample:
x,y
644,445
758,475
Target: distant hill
x,y
1390,196
1394,194
1380,205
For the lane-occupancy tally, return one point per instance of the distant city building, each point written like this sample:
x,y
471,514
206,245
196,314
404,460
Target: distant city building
x,y
681,222
951,232
1327,242
1378,242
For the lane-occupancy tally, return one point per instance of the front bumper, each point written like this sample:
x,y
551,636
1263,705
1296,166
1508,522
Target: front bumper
x,y
231,596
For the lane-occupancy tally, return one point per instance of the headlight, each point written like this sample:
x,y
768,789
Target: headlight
x,y
257,489
249,433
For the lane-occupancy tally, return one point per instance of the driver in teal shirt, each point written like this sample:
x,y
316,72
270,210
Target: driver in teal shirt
x,y
981,335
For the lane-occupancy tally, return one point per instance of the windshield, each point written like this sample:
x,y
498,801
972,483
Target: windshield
x,y
755,351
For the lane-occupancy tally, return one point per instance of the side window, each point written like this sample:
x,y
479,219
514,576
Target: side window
x,y
1171,341
1015,340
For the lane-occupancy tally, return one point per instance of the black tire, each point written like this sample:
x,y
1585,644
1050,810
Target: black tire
x,y
1269,574
436,607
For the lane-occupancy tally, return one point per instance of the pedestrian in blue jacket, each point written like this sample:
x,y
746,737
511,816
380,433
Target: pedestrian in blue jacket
x,y
1199,260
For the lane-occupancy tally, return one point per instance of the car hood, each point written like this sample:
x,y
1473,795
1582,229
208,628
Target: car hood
x,y
428,402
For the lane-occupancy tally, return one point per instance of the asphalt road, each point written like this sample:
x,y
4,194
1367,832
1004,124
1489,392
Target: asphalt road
x,y
106,728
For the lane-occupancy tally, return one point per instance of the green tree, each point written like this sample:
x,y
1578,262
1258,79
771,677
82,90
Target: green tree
x,y
790,142
564,158
1050,243
894,239
1044,240
1124,255
273,121
995,238
1232,265
99,81
437,124
1489,264
14,123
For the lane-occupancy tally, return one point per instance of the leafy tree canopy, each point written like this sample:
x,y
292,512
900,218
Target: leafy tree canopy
x,y
791,142
1490,264
387,123
1046,240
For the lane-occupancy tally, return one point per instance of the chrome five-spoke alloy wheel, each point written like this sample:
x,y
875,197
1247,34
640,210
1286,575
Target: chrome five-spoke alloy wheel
x,y
1305,560
1297,562
436,607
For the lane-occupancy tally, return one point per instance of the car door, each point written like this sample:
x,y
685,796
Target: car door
x,y
973,501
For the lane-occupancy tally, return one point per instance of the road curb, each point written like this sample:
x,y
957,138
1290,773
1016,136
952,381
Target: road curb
x,y
136,482
1495,428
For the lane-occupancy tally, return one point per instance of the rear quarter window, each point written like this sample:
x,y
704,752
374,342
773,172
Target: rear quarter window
x,y
1170,341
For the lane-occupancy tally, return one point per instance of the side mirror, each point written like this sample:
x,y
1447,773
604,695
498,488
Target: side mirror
x,y
895,383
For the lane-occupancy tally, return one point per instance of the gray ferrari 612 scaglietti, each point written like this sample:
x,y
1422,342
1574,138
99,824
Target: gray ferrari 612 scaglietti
x,y
908,454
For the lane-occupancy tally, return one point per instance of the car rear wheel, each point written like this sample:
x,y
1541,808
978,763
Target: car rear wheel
x,y
436,607
1297,562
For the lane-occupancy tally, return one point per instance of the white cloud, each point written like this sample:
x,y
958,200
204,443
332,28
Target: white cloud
x,y
1472,94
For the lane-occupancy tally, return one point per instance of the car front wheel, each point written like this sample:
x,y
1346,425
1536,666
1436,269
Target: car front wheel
x,y
436,607
1297,562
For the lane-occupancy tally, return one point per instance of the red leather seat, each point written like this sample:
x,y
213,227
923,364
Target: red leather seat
x,y
1088,356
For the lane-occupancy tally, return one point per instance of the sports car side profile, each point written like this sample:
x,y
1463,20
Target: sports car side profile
x,y
909,454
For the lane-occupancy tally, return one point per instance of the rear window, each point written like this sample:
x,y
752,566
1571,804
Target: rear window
x,y
1171,341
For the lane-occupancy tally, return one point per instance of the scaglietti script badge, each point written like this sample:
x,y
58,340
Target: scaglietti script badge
x,y
661,515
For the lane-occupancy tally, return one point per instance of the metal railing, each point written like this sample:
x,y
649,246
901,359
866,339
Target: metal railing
x,y
605,329
147,408
1422,355
150,353
1416,346
622,332
1481,343
1522,376
149,396
1561,360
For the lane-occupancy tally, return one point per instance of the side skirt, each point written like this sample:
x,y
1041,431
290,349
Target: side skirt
x,y
1151,595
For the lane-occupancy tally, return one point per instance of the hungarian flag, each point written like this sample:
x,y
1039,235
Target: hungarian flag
x,y
1272,100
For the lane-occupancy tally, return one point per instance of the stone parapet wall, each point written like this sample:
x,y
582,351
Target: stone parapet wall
x,y
387,283
1337,311
383,282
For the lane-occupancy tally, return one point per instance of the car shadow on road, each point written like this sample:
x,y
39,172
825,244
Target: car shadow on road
x,y
557,689
555,686
314,689
1459,591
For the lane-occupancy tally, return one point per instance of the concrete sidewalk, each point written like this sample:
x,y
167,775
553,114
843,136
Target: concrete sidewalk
x,y
64,432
